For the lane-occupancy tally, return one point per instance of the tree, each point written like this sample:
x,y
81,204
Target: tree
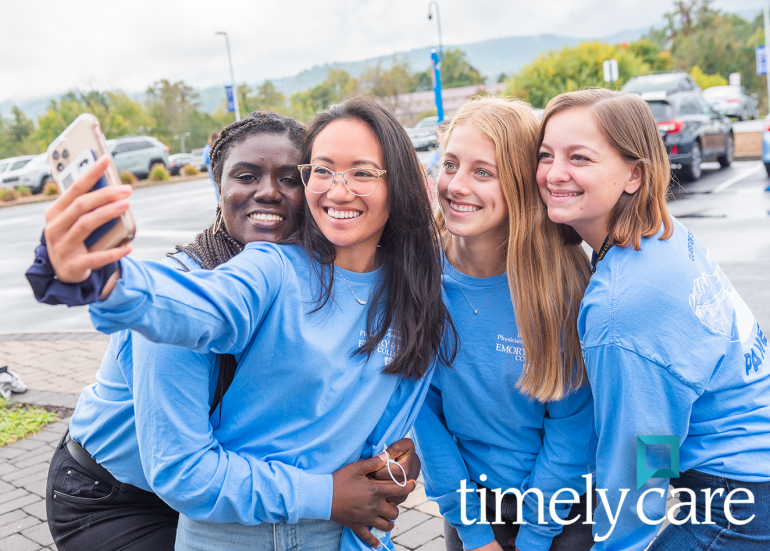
x,y
170,104
456,71
707,81
337,87
573,68
270,99
386,86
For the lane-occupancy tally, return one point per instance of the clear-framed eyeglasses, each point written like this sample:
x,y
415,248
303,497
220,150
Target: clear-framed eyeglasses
x,y
361,181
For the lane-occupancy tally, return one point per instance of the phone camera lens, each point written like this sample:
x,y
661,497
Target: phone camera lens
x,y
60,167
65,154
56,156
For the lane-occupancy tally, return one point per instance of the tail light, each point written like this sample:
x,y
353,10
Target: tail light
x,y
672,127
167,149
733,100
767,125
674,150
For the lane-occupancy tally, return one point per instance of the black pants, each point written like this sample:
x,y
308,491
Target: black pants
x,y
86,513
575,537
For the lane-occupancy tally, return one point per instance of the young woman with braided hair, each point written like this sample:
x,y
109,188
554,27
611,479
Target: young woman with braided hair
x,y
98,496
336,336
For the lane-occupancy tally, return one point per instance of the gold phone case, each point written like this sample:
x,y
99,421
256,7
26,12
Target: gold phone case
x,y
82,135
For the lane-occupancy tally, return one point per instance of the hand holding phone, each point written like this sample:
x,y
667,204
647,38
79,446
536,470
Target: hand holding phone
x,y
75,215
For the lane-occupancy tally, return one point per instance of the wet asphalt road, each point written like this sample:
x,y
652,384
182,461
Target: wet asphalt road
x,y
728,210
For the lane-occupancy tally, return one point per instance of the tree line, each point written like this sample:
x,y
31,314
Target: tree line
x,y
703,41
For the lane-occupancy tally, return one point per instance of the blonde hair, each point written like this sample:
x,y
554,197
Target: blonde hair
x,y
627,124
546,278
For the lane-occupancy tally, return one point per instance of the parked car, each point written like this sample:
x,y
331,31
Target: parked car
x,y
8,168
732,101
423,135
692,131
138,154
177,161
197,160
34,174
661,82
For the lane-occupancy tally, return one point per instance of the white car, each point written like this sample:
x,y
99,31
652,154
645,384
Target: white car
x,y
9,167
33,175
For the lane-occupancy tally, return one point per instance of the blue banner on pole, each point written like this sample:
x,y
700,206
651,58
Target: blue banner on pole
x,y
436,66
230,102
761,55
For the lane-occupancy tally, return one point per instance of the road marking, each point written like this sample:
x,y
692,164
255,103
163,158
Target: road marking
x,y
734,180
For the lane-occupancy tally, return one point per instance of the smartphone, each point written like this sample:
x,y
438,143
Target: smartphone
x,y
70,155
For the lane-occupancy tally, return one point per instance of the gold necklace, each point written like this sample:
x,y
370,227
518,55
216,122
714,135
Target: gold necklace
x,y
475,310
361,302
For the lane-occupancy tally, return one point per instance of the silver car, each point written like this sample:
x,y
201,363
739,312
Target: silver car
x,y
732,101
9,168
138,154
34,174
423,135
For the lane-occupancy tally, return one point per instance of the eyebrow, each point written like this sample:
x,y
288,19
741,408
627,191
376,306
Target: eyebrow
x,y
571,148
257,167
360,162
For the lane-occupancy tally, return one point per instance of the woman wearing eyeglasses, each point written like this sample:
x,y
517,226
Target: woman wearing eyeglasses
x,y
515,411
335,336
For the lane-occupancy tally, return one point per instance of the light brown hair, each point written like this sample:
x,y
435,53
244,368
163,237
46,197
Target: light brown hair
x,y
214,136
546,278
627,124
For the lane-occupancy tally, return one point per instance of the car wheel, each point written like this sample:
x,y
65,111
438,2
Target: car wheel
x,y
727,159
692,171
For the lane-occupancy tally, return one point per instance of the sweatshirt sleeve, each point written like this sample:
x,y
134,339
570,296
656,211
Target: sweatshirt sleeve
x,y
567,454
633,397
204,310
189,469
443,469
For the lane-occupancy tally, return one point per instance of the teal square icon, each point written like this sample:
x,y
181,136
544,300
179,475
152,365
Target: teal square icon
x,y
643,473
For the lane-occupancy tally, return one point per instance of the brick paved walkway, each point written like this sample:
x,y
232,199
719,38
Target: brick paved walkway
x,y
55,367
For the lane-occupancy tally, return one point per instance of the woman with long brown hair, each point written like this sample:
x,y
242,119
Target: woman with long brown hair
x,y
675,358
514,411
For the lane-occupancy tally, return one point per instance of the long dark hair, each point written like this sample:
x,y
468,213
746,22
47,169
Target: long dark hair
x,y
215,246
408,301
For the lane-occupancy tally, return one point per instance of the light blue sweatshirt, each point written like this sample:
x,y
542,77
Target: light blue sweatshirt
x,y
671,349
104,419
475,422
301,406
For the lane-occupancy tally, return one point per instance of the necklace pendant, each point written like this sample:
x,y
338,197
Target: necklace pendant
x,y
475,311
361,302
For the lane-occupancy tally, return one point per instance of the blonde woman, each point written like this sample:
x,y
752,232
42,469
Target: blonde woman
x,y
502,418
673,353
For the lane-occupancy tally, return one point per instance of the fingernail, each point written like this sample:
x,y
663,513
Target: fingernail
x,y
383,457
120,204
125,189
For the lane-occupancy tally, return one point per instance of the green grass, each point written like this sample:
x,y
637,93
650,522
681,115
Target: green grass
x,y
19,421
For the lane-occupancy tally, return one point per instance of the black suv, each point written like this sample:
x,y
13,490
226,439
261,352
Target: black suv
x,y
692,131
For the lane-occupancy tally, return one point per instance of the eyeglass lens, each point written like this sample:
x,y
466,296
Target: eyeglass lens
x,y
360,181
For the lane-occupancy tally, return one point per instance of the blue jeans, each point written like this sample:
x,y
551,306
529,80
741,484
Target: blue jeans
x,y
306,535
722,535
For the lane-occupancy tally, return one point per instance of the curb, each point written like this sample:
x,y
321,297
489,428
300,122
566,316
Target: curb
x,y
55,336
137,185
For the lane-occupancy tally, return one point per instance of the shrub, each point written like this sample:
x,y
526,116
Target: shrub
x,y
8,194
158,173
50,188
127,178
24,191
190,170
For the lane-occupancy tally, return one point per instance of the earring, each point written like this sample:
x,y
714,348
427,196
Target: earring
x,y
218,220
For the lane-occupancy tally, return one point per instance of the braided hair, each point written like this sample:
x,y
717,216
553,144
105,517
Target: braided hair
x,y
214,245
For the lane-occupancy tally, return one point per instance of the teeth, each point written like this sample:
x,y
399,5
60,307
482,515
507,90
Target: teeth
x,y
565,194
266,217
463,208
334,213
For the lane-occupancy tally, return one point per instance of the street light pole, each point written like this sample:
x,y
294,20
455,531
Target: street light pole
x,y
232,77
438,21
767,50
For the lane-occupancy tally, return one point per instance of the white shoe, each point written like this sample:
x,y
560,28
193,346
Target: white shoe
x,y
10,383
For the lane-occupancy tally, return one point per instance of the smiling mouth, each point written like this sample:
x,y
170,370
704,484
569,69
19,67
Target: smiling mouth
x,y
264,217
342,214
463,208
565,194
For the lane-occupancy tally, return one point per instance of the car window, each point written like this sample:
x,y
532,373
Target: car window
x,y
704,107
143,144
3,166
661,110
120,148
19,164
688,107
652,83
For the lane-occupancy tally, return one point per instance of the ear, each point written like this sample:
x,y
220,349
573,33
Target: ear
x,y
634,180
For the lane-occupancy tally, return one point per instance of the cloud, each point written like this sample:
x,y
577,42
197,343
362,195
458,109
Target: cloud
x,y
49,46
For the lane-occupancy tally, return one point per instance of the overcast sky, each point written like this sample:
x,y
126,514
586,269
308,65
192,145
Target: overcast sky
x,y
50,46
